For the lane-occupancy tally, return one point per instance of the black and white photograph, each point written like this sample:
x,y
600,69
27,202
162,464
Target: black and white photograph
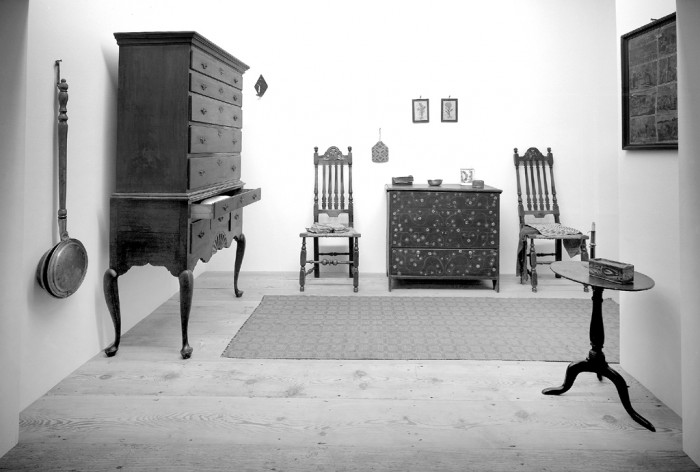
x,y
212,262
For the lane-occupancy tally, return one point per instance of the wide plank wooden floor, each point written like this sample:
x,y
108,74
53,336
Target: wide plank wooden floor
x,y
148,410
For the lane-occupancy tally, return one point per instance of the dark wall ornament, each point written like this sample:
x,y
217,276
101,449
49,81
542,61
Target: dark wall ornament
x,y
260,86
649,86
449,110
421,110
380,151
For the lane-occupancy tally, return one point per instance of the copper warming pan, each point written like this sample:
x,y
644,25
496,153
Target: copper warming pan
x,y
62,268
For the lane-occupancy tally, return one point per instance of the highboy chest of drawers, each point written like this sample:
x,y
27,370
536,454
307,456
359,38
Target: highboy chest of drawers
x,y
179,196
449,232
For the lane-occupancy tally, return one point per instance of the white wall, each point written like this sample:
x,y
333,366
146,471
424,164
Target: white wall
x,y
13,37
338,74
689,172
61,334
526,73
650,322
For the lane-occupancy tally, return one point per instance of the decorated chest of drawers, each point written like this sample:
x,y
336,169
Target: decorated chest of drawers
x,y
445,232
179,196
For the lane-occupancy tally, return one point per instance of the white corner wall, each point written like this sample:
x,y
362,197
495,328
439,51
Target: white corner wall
x,y
689,175
13,51
650,322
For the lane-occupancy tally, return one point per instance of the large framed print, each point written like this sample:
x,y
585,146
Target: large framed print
x,y
649,86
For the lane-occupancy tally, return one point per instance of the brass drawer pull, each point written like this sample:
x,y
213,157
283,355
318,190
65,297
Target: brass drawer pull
x,y
202,172
221,90
233,167
234,141
235,117
201,234
225,207
221,218
236,217
203,111
204,65
204,86
202,139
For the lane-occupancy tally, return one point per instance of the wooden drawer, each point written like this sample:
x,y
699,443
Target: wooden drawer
x,y
206,171
207,65
221,224
205,139
236,224
215,207
426,228
208,110
200,236
444,200
201,84
462,263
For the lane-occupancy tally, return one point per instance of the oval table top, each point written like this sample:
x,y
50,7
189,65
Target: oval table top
x,y
578,272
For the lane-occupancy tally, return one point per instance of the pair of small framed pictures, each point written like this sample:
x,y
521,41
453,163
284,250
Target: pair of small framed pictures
x,y
421,110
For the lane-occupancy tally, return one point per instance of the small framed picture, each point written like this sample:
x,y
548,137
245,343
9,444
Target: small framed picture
x,y
466,176
421,110
449,110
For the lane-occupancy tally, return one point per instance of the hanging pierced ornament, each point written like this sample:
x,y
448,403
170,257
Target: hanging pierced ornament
x,y
380,152
260,86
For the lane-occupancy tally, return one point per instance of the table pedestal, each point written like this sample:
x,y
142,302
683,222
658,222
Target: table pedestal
x,y
595,362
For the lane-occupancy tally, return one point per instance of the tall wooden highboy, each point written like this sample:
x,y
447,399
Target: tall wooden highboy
x,y
179,198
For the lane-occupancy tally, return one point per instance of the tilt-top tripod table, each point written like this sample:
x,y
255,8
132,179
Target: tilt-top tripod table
x,y
595,362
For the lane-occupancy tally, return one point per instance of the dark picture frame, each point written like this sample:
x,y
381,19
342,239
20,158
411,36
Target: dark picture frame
x,y
649,86
448,110
421,110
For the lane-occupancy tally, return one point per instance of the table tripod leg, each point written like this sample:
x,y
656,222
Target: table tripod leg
x,y
572,372
622,390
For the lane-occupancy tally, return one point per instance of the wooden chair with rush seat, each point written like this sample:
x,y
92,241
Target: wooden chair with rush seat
x,y
333,216
540,216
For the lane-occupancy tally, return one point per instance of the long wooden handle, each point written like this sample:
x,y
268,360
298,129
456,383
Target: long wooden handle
x,y
62,157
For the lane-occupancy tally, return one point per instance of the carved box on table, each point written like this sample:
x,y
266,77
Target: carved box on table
x,y
179,196
446,232
612,271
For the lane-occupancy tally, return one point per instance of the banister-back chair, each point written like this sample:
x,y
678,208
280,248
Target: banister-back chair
x,y
333,215
540,216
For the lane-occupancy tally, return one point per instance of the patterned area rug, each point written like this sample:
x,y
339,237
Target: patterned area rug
x,y
354,327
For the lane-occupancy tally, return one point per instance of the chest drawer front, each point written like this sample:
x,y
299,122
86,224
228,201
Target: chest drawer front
x,y
224,204
444,200
207,65
424,219
206,171
201,84
208,110
211,139
444,262
200,236
243,198
458,228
